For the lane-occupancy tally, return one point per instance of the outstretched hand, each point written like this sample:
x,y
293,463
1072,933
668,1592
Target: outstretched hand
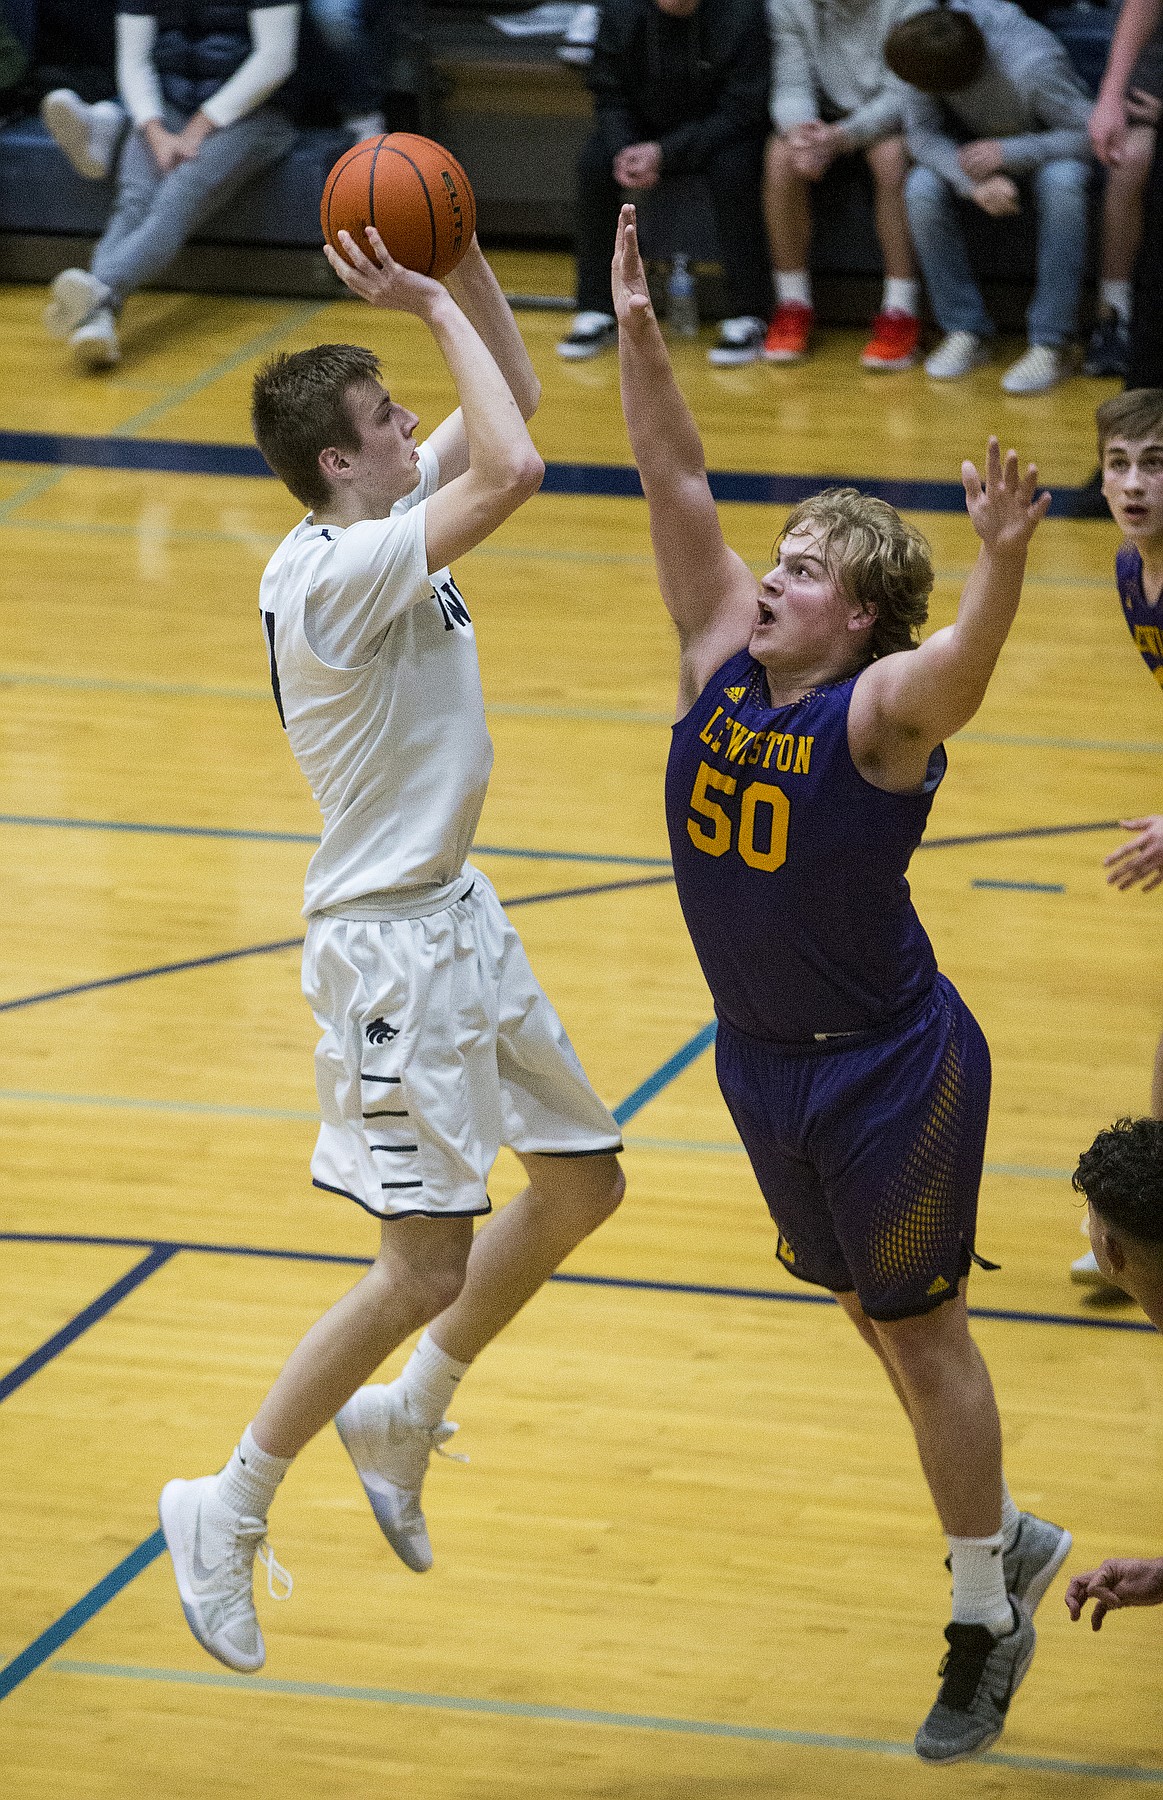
x,y
384,282
627,276
1003,508
1139,860
1121,1581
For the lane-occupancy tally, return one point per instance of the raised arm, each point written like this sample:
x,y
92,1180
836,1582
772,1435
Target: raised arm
x,y
906,704
503,466
709,592
477,292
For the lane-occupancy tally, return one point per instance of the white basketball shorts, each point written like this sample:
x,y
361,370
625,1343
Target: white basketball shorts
x,y
438,1047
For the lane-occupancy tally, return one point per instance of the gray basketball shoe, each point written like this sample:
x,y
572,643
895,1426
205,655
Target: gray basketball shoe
x,y
1038,1552
980,1677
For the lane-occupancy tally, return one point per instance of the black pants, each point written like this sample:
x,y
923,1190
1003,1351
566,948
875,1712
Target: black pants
x,y
1146,368
734,175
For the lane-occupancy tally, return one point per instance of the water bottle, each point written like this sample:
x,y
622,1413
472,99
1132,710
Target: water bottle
x,y
682,306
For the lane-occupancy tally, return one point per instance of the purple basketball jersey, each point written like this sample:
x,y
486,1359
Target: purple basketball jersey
x,y
790,866
1144,622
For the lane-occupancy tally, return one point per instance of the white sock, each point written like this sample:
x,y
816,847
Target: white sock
x,y
979,1587
793,287
900,296
429,1381
1011,1518
1115,296
247,1484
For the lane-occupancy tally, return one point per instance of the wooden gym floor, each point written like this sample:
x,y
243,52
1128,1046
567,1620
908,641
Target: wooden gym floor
x,y
692,1555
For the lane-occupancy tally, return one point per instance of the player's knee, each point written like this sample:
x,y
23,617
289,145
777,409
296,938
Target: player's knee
x,y
595,1190
436,1288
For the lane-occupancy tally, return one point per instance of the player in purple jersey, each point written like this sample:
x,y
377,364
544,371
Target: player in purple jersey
x,y
1130,452
807,749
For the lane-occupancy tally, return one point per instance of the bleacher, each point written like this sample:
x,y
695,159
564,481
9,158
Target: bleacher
x,y
515,115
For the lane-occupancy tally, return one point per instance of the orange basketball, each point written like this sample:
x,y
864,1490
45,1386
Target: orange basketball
x,y
415,194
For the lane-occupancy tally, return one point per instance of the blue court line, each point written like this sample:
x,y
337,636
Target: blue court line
x,y
1024,887
608,480
104,1303
224,956
50,822
799,1295
576,1715
69,1623
673,1066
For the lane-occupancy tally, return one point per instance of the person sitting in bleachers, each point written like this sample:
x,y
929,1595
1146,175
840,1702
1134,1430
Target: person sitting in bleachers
x,y
196,80
994,106
832,96
1140,106
678,86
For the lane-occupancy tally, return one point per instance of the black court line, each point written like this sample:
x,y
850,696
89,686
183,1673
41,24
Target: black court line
x,y
628,1283
615,481
159,1255
295,943
1027,831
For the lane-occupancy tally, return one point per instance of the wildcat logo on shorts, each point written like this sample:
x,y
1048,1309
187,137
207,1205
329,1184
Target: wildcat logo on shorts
x,y
380,1032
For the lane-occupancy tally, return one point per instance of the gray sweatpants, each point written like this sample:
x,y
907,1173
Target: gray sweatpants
x,y
154,214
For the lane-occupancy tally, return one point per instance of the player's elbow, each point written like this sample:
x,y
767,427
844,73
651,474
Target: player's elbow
x,y
524,475
529,399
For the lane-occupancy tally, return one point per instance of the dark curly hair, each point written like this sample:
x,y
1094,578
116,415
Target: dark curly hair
x,y
1122,1177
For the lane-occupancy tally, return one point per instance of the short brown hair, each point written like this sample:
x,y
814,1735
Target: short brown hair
x,y
1135,414
938,51
298,410
882,563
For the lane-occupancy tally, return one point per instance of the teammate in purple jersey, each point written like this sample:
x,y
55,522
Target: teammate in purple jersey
x,y
1130,453
805,756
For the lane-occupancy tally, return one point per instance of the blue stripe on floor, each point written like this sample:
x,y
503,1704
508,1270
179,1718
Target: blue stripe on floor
x,y
69,1623
607,480
1024,887
579,1715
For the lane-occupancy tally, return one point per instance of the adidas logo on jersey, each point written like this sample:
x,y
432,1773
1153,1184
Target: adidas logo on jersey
x,y
940,1286
380,1032
735,693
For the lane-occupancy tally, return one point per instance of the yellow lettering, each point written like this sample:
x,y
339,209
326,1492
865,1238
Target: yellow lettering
x,y
773,738
740,738
787,745
705,733
756,750
803,755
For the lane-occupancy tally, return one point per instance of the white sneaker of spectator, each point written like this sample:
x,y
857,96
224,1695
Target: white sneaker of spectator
x,y
740,341
577,46
76,295
94,344
365,125
957,354
590,333
1043,366
88,135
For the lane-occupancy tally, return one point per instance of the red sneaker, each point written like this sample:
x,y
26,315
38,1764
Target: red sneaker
x,y
894,341
788,334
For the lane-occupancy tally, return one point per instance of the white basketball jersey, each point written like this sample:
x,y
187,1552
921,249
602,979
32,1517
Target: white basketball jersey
x,y
396,748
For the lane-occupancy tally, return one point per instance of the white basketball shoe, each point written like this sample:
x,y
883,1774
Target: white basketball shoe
x,y
390,1450
213,1554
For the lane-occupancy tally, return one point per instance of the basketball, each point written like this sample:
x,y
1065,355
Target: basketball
x,y
415,194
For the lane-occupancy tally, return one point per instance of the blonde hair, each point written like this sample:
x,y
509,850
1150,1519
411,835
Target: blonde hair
x,y
882,564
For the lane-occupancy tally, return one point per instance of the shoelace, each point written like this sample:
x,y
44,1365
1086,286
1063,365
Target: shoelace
x,y
253,1544
440,1437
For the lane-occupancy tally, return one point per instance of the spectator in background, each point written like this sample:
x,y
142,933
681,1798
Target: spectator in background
x,y
678,86
1109,349
196,81
1122,1177
1139,22
832,96
994,108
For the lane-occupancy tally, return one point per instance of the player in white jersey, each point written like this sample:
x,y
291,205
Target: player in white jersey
x,y
438,1045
